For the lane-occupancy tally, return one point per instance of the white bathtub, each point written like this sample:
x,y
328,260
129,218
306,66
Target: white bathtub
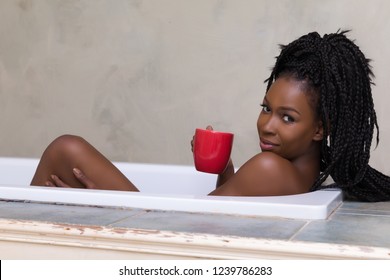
x,y
164,187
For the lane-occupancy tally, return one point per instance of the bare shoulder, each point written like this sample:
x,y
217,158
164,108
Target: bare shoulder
x,y
270,162
265,174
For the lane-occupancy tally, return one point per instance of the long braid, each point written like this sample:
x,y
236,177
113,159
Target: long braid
x,y
341,77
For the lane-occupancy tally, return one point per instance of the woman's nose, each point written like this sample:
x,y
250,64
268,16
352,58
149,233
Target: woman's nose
x,y
268,124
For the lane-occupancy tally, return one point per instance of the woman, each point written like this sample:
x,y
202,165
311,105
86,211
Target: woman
x,y
317,120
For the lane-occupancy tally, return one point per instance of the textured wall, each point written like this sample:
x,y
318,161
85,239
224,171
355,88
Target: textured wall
x,y
136,77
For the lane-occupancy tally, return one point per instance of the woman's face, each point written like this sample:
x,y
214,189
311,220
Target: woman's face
x,y
287,124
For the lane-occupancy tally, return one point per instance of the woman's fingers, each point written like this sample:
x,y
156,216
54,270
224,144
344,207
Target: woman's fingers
x,y
83,179
49,184
58,182
88,184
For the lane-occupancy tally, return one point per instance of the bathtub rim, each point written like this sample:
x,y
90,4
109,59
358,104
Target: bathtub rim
x,y
314,205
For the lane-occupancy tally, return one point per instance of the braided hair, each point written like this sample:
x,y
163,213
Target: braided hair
x,y
340,77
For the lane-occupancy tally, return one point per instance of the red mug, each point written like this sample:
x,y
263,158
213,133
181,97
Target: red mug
x,y
212,150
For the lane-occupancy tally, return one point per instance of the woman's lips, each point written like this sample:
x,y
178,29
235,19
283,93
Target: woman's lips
x,y
266,145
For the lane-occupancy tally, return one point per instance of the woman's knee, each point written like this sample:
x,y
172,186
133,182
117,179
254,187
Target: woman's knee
x,y
66,145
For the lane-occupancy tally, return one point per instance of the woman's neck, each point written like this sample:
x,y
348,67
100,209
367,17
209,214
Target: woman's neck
x,y
308,166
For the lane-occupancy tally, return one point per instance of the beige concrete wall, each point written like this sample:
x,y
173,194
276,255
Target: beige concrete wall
x,y
135,78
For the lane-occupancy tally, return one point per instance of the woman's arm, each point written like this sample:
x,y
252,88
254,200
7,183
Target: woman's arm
x,y
226,175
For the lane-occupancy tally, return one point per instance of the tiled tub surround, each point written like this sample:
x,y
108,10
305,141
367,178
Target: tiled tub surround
x,y
38,231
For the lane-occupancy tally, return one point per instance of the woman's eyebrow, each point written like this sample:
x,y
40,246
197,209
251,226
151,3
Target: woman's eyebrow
x,y
286,108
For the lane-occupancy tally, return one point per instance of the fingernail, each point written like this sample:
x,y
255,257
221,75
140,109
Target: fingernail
x,y
53,177
48,184
77,171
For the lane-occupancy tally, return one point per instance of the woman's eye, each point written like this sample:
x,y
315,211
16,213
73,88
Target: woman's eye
x,y
288,119
266,109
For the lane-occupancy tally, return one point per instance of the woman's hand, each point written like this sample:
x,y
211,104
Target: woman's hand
x,y
81,177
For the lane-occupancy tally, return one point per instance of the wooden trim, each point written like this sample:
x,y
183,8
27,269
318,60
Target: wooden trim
x,y
38,240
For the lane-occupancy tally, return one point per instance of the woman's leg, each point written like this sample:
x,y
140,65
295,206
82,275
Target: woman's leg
x,y
68,152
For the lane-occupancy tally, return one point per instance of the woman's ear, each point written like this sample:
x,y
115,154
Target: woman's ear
x,y
319,133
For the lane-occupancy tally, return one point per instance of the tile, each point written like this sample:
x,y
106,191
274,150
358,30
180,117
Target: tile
x,y
369,208
353,224
64,213
215,224
349,229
